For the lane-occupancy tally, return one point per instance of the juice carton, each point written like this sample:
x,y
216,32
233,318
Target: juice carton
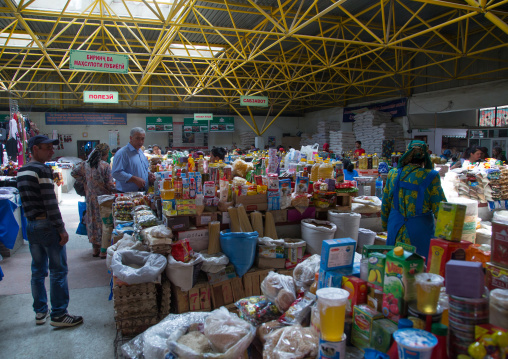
x,y
363,317
381,337
357,289
450,221
499,251
337,253
375,248
441,251
399,284
333,278
376,276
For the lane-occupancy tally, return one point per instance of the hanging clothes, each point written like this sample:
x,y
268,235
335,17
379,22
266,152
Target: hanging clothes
x,y
11,146
13,128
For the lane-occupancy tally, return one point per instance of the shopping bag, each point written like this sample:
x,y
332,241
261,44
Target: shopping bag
x,y
82,226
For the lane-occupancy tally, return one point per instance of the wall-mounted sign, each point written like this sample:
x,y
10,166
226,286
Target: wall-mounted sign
x,y
100,96
70,118
191,125
159,124
99,62
203,116
222,124
259,101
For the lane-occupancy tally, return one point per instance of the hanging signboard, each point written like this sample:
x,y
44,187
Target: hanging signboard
x,y
222,124
66,118
258,101
203,116
397,108
99,62
100,96
191,125
159,124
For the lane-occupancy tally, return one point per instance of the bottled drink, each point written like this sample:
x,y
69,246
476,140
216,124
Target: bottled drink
x,y
375,161
441,333
301,165
325,170
201,165
314,174
379,187
314,286
369,162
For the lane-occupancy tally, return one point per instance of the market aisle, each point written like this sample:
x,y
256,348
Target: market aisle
x,y
89,291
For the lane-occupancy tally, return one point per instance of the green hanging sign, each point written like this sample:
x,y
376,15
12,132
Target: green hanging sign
x,y
159,124
222,124
190,125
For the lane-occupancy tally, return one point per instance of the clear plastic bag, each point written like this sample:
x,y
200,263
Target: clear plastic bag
x,y
305,272
214,263
257,309
135,267
279,289
292,342
229,336
127,242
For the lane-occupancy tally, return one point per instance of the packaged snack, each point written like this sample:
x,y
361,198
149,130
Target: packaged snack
x,y
182,251
257,309
302,185
299,311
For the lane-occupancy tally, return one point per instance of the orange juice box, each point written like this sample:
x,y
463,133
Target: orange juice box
x,y
399,282
357,289
441,251
363,318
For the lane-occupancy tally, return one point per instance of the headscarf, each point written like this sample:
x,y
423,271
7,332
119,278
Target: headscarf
x,y
326,147
96,156
416,150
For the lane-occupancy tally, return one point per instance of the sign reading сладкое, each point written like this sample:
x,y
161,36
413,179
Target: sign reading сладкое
x,y
99,62
100,96
259,101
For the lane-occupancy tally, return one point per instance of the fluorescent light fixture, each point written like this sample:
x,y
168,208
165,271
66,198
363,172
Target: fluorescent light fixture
x,y
16,40
195,51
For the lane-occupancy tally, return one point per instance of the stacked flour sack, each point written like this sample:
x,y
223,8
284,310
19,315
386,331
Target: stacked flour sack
x,y
372,127
247,139
341,141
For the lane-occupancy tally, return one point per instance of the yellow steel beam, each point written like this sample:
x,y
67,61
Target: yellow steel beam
x,y
276,116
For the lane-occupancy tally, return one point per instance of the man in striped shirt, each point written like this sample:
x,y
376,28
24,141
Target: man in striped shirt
x,y
46,235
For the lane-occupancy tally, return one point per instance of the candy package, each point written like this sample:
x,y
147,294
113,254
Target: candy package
x,y
182,251
299,311
257,309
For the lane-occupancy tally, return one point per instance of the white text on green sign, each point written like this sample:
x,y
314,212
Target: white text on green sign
x,y
100,96
159,124
203,116
98,61
259,101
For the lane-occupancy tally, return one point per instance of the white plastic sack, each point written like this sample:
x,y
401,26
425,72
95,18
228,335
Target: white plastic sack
x,y
365,237
127,242
183,274
229,336
293,342
314,232
214,263
135,267
347,224
279,289
368,200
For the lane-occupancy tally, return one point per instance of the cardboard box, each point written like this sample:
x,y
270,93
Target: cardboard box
x,y
499,245
295,216
399,282
266,263
204,219
465,279
177,223
196,299
224,218
381,337
363,318
357,289
270,251
333,278
252,281
258,202
294,250
280,216
373,248
441,251
496,276
198,238
450,221
227,292
223,275
337,253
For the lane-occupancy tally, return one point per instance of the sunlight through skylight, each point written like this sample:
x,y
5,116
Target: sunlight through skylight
x,y
16,40
196,51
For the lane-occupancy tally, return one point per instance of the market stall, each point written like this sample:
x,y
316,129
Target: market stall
x,y
271,255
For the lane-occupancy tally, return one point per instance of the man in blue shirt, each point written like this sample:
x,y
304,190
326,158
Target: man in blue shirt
x,y
130,167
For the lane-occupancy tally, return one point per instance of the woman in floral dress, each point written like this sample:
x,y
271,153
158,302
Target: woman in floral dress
x,y
95,173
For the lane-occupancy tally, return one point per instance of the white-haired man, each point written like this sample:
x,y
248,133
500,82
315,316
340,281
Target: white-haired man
x,y
130,168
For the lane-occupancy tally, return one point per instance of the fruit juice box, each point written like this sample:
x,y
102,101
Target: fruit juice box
x,y
337,253
357,289
441,251
333,278
450,221
399,282
375,248
381,337
376,276
363,317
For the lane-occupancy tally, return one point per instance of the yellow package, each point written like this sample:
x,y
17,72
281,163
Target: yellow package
x,y
450,221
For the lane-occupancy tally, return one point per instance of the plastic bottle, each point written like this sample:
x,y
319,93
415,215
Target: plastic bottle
x,y
375,161
221,166
301,165
314,174
369,162
441,333
314,286
325,170
393,351
191,165
201,165
379,187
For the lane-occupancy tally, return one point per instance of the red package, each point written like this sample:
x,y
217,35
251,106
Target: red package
x,y
182,251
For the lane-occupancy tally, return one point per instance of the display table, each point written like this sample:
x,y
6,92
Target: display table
x,y
12,221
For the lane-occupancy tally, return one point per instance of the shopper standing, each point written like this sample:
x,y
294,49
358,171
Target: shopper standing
x,y
130,168
95,174
359,150
411,199
46,235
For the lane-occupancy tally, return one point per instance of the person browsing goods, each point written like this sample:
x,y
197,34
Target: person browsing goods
x,y
359,150
46,235
130,168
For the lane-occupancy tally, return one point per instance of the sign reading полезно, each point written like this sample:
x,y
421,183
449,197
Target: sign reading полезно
x,y
100,96
159,124
203,116
99,61
259,101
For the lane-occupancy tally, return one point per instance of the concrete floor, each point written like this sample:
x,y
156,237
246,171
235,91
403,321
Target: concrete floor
x,y
89,291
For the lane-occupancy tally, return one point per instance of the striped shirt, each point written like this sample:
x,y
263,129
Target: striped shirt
x,y
35,185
